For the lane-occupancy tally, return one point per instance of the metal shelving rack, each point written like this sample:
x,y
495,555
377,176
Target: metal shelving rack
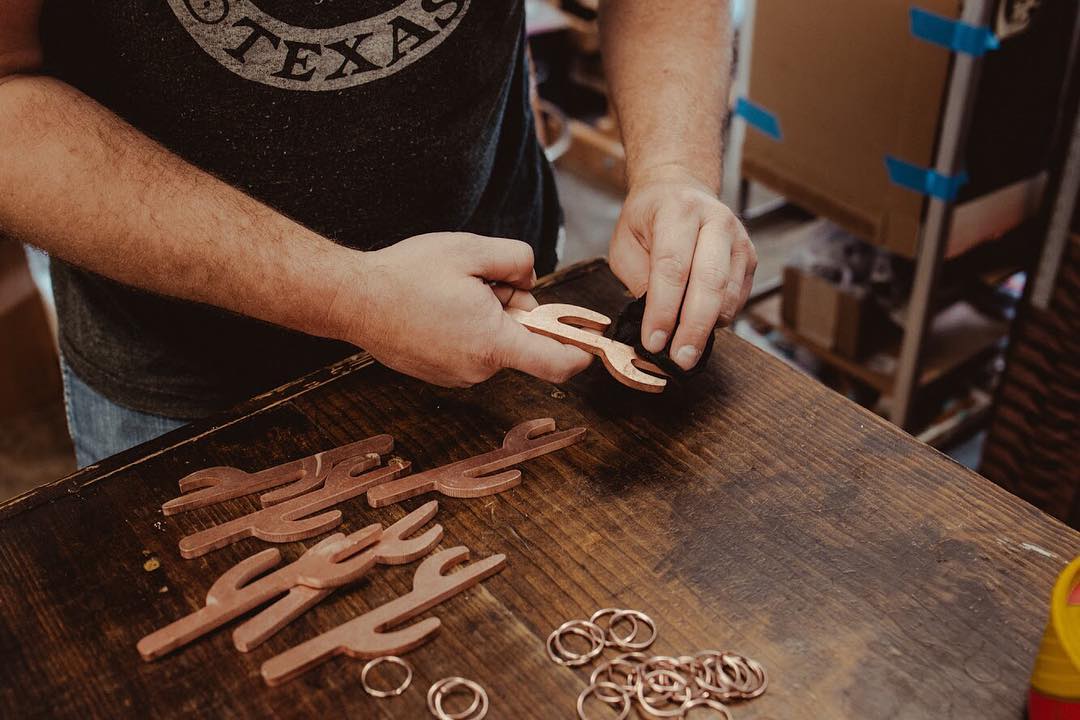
x,y
955,124
964,74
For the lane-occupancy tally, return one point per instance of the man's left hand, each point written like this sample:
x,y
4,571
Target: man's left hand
x,y
678,242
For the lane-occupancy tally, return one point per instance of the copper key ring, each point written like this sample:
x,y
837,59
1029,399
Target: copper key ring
x,y
625,643
375,692
436,687
624,700
592,633
449,684
608,633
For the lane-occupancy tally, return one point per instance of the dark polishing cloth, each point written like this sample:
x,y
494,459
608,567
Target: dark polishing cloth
x,y
627,329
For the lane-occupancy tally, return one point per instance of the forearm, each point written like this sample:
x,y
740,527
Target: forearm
x,y
83,185
667,64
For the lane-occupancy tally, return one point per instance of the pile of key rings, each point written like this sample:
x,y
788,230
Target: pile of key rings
x,y
663,686
598,637
477,710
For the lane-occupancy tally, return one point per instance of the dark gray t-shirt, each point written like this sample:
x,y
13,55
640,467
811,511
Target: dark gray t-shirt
x,y
368,122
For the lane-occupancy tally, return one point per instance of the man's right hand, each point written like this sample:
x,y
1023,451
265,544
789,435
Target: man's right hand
x,y
86,187
426,307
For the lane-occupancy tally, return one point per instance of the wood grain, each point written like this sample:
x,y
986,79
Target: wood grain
x,y
752,510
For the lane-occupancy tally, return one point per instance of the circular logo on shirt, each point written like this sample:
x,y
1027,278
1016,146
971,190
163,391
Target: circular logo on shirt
x,y
259,47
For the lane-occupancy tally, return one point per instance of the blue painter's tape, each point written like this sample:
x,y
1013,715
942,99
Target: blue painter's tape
x,y
758,117
953,34
924,181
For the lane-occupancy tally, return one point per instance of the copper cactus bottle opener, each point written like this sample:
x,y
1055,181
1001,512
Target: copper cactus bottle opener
x,y
217,484
469,478
335,561
570,324
289,521
395,547
367,636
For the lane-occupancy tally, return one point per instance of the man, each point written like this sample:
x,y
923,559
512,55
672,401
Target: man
x,y
235,192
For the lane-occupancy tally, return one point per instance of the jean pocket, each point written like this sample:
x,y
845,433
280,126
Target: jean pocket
x,y
66,381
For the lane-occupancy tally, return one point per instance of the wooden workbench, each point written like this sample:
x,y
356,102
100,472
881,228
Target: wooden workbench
x,y
753,510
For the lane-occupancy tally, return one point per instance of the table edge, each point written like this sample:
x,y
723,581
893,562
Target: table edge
x,y
73,483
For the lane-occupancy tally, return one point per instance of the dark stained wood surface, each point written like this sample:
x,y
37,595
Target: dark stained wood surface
x,y
753,510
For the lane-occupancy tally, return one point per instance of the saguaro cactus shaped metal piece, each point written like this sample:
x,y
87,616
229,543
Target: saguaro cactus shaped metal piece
x,y
570,325
217,484
335,561
395,547
370,634
289,521
470,478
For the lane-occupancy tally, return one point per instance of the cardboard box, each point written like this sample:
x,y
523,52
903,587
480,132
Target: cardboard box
x,y
836,319
850,84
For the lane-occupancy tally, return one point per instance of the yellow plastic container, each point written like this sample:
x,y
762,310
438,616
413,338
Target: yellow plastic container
x,y
1055,681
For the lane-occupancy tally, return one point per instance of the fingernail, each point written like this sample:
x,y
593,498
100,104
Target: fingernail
x,y
686,356
657,341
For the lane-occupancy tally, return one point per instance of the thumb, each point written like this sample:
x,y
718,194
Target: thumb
x,y
500,259
541,356
512,297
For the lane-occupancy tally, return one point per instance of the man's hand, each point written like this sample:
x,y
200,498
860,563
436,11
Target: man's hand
x,y
677,241
667,64
425,307
85,186
422,306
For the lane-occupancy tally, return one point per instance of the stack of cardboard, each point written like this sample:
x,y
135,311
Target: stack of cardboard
x,y
850,85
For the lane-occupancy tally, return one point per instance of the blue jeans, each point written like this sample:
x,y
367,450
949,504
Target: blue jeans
x,y
99,427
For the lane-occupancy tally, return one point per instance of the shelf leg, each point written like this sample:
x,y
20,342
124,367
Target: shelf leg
x,y
955,124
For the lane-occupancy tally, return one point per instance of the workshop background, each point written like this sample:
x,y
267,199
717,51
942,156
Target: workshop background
x,y
916,226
